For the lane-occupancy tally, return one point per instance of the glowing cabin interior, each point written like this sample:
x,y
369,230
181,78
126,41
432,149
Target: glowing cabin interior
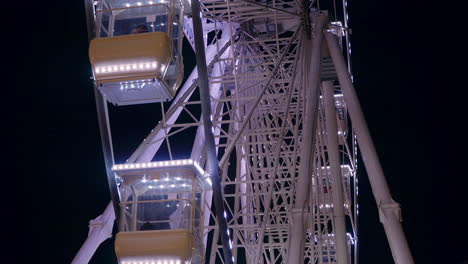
x,y
136,56
161,217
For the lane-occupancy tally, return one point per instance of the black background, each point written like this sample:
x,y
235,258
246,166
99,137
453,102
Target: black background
x,y
59,159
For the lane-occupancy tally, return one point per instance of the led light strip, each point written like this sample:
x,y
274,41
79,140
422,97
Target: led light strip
x,y
158,164
166,261
162,164
342,166
128,67
149,2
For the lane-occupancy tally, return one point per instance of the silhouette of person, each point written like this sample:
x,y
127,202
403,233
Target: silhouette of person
x,y
147,226
142,28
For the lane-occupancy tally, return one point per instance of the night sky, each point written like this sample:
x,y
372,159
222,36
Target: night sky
x,y
68,186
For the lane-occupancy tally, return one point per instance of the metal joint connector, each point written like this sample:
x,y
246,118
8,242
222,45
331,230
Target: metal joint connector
x,y
387,210
335,27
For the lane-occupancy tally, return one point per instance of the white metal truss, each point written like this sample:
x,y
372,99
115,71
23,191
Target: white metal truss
x,y
260,77
255,56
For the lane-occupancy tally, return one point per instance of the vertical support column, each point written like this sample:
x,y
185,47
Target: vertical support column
x,y
389,210
103,117
100,228
312,58
335,169
106,141
212,159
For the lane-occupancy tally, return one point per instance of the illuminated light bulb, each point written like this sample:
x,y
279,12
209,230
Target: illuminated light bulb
x,y
150,2
143,165
190,161
139,3
172,162
148,164
163,67
178,162
127,5
126,166
155,180
109,69
166,179
115,68
162,24
161,186
160,163
183,184
120,167
159,262
122,68
184,162
114,167
127,67
177,262
98,70
151,187
172,185
171,262
147,65
104,69
144,180
137,166
134,66
155,164
132,166
165,262
141,66
154,65
166,163
177,178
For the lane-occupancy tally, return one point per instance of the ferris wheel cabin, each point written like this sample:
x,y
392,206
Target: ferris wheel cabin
x,y
136,56
161,219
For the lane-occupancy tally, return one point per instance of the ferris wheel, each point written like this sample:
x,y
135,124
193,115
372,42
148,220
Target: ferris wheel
x,y
274,121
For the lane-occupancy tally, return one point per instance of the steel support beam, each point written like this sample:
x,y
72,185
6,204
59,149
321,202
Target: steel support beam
x,y
103,118
335,169
147,149
100,229
312,58
389,210
212,159
106,140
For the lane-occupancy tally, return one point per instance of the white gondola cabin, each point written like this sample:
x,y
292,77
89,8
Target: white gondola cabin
x,y
161,217
136,56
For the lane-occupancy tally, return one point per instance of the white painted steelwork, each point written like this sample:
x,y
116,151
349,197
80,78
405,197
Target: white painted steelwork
x,y
289,182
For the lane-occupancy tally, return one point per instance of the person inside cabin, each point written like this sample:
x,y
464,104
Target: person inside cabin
x,y
147,226
142,28
158,213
